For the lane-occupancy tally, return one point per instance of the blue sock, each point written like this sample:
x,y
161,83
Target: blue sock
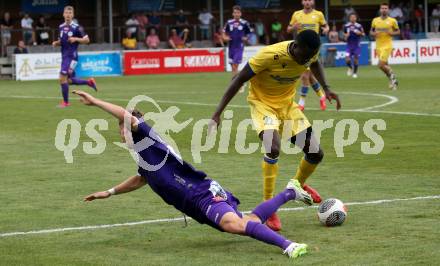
x,y
316,86
304,90
65,92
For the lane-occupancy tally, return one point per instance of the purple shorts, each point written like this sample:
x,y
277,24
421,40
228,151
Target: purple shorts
x,y
68,65
235,56
353,51
211,210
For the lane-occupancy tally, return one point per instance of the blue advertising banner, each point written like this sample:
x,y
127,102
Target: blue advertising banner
x,y
99,64
333,54
43,6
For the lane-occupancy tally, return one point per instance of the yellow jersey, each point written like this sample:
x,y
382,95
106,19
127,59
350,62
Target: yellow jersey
x,y
309,21
276,75
383,27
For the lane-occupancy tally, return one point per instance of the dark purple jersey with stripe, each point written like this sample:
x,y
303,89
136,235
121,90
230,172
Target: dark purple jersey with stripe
x,y
353,39
177,182
70,50
236,29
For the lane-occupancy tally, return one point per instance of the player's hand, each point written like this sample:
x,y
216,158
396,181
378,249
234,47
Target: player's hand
x,y
73,39
297,26
55,43
213,124
97,195
330,95
226,38
85,98
244,39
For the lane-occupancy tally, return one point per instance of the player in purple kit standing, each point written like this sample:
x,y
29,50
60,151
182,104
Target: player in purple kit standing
x,y
235,32
353,33
71,35
189,190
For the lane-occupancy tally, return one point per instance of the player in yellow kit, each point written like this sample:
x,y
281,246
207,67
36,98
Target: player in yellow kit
x,y
383,28
274,73
309,19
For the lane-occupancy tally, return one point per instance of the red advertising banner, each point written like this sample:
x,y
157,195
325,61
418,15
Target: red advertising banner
x,y
173,61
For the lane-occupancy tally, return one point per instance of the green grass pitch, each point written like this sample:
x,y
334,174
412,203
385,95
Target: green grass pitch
x,y
39,190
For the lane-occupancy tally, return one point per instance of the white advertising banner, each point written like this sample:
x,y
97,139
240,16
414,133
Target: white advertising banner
x,y
429,50
404,52
248,52
37,66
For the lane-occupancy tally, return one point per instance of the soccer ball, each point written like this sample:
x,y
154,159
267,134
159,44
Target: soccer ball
x,y
332,212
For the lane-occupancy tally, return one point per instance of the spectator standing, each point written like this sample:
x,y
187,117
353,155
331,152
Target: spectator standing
x,y
21,48
252,36
406,12
152,41
129,42
406,32
28,31
276,30
179,41
418,15
132,26
5,30
218,37
396,12
333,35
42,31
261,32
143,22
154,20
435,19
205,19
181,21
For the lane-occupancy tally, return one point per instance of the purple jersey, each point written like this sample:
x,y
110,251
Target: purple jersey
x,y
353,39
236,29
176,182
68,49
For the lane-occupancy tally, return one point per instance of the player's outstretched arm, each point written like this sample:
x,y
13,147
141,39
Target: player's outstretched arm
x,y
132,183
243,76
113,109
318,71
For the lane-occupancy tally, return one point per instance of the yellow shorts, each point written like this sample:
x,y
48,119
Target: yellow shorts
x,y
288,121
384,53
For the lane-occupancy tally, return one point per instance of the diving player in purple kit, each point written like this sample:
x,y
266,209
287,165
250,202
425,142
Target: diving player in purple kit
x,y
189,190
353,33
235,32
71,35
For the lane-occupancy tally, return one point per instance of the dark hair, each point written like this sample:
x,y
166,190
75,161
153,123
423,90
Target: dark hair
x,y
236,7
136,113
309,39
384,4
353,14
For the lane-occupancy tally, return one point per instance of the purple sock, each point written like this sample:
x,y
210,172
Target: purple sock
x,y
267,208
65,92
263,233
77,81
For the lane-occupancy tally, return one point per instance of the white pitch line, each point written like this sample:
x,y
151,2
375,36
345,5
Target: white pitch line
x,y
392,100
103,226
362,110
